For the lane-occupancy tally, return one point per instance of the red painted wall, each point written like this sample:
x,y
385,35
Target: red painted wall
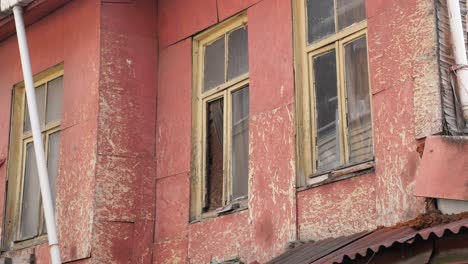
x,y
70,35
277,214
125,165
124,184
106,183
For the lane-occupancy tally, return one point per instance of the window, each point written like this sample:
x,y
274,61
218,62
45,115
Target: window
x,y
333,95
24,216
220,119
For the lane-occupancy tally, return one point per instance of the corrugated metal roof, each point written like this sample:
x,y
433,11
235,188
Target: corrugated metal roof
x,y
334,250
308,252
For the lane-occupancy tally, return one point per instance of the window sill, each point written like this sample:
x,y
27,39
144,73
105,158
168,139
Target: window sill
x,y
232,208
338,175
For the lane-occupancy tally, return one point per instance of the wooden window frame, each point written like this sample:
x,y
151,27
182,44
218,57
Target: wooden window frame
x,y
306,168
16,163
200,99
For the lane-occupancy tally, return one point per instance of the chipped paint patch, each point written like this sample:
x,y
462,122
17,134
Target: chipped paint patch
x,y
337,209
220,239
272,205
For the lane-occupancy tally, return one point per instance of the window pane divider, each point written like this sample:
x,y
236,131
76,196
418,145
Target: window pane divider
x,y
226,85
54,125
227,148
337,36
342,103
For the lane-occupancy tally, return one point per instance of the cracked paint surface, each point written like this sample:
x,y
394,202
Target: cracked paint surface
x,y
125,174
79,50
341,208
402,67
219,239
272,201
402,49
398,121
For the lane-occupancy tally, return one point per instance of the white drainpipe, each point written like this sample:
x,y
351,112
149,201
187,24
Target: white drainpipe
x,y
459,53
35,126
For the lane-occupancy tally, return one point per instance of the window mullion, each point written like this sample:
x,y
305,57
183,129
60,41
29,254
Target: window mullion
x,y
227,147
313,113
342,102
204,146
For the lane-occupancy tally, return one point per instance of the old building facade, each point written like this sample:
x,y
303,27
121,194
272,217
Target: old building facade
x,y
203,131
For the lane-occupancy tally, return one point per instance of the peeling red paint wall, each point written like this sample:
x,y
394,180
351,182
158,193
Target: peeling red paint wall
x,y
125,167
125,151
272,148
400,48
106,187
69,35
277,214
262,231
396,64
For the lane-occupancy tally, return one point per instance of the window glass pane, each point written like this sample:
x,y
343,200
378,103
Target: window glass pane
x,y
52,168
240,143
359,112
40,100
320,19
214,155
328,152
53,162
350,12
54,99
214,63
30,210
238,57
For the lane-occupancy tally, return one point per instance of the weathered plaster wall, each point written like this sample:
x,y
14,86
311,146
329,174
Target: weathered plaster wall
x,y
398,58
407,53
401,43
106,187
341,208
263,230
173,153
125,166
69,35
125,174
402,62
272,176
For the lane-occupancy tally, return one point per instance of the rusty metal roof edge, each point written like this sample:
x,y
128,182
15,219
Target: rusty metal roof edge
x,y
304,257
438,230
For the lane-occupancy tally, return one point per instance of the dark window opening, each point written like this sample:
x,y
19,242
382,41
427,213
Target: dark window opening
x,y
214,155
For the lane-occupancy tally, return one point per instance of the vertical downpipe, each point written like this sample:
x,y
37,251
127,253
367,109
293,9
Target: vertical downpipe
x,y
459,53
37,137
